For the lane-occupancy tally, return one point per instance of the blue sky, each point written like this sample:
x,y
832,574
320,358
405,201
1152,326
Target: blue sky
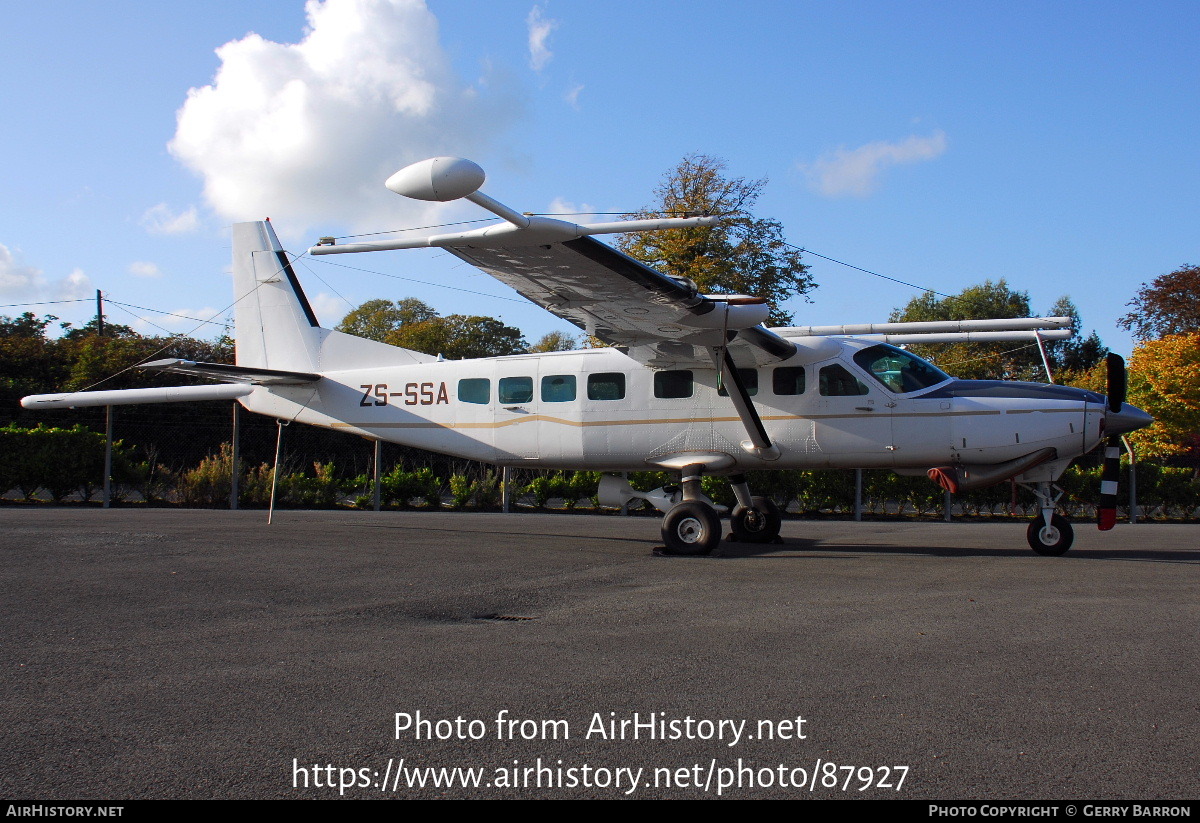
x,y
1053,144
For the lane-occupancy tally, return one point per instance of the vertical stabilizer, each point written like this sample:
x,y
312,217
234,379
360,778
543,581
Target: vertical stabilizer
x,y
276,327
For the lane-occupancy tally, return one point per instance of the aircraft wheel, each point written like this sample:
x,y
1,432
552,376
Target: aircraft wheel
x,y
1051,540
691,528
758,524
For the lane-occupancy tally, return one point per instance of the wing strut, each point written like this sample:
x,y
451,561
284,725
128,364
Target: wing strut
x,y
759,444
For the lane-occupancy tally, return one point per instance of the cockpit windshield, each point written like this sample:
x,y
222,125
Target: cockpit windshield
x,y
898,370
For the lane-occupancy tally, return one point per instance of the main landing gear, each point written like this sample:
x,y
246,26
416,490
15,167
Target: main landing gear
x,y
1049,534
693,526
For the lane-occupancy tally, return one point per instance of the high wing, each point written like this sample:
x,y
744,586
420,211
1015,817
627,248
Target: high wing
x,y
658,320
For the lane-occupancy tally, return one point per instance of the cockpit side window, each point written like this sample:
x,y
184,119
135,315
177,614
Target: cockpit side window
x,y
835,381
898,370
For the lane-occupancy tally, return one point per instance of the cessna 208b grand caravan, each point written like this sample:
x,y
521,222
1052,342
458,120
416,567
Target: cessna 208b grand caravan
x,y
690,382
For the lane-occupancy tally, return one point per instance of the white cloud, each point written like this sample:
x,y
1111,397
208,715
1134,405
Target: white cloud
x,y
18,282
540,29
856,172
307,132
27,283
160,219
566,207
142,268
74,286
572,96
329,308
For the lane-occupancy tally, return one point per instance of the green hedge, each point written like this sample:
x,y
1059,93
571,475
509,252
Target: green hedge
x,y
60,461
63,461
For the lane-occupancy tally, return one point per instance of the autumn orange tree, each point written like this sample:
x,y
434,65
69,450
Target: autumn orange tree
x,y
1164,372
1164,380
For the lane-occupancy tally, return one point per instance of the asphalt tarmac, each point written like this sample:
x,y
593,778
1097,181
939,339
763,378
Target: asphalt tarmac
x,y
205,654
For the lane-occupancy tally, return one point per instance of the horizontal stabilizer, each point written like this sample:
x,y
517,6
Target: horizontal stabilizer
x,y
232,374
129,397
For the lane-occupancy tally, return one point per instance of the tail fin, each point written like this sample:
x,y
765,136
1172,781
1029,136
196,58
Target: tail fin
x,y
276,326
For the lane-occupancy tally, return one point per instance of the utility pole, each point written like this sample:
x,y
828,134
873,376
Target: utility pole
x,y
108,434
376,504
99,314
237,456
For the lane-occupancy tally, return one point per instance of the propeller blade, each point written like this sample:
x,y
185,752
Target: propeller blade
x,y
1106,509
1118,381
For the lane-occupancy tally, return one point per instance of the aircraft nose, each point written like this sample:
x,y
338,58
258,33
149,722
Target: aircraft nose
x,y
1126,420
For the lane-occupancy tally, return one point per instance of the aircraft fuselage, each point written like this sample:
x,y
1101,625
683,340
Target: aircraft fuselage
x,y
599,409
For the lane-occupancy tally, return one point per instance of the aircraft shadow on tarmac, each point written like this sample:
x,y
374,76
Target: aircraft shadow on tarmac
x,y
802,549
811,549
525,532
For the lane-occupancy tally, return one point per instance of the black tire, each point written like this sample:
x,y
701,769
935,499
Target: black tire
x,y
758,524
691,528
1050,542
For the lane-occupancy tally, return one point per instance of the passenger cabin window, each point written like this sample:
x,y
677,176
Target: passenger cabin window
x,y
515,390
475,390
558,388
672,384
837,382
898,370
749,380
606,386
788,380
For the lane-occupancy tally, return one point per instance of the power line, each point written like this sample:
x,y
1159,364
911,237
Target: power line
x,y
310,270
46,303
867,271
168,313
421,282
121,306
414,228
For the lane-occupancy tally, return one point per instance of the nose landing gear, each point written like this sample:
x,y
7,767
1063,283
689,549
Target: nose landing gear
x,y
1049,534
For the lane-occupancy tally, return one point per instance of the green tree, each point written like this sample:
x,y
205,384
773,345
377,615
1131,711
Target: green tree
x,y
459,336
554,341
1169,304
92,329
28,326
999,361
413,324
1075,355
376,319
742,254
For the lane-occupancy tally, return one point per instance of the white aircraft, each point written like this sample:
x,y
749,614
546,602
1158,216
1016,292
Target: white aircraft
x,y
691,382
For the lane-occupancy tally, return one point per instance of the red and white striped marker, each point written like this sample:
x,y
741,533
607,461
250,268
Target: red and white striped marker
x,y
1106,511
